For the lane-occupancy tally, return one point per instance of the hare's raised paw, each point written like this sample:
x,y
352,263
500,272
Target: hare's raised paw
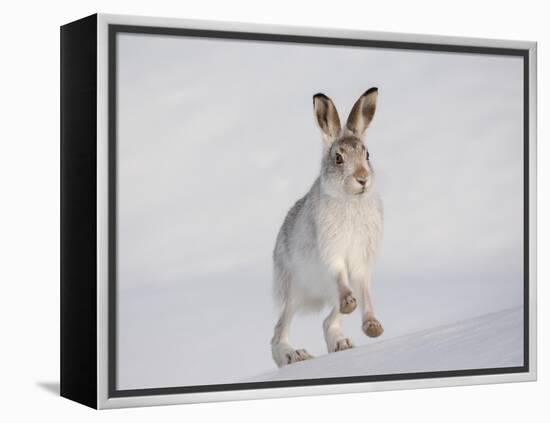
x,y
348,303
343,344
298,355
372,327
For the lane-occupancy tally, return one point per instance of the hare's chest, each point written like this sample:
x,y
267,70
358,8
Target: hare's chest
x,y
350,234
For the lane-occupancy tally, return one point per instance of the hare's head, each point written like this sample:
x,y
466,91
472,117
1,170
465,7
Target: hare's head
x,y
346,167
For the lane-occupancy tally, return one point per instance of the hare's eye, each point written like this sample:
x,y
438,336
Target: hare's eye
x,y
339,158
368,155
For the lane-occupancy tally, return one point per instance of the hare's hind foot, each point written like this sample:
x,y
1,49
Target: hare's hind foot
x,y
372,327
297,355
348,303
284,354
342,345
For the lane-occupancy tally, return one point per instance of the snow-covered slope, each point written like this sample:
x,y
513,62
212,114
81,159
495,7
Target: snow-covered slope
x,y
492,340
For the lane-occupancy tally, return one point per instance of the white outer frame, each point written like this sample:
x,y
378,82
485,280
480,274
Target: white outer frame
x,y
103,401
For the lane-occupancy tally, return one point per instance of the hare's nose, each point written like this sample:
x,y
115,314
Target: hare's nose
x,y
361,181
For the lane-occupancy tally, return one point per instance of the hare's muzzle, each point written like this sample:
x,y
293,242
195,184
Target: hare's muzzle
x,y
361,175
362,181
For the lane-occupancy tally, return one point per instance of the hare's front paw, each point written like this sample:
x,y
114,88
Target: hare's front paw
x,y
348,303
343,344
298,355
372,327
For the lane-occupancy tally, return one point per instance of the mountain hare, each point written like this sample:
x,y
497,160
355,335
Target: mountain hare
x,y
325,250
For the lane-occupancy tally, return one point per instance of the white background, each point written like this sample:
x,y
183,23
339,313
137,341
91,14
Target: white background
x,y
29,231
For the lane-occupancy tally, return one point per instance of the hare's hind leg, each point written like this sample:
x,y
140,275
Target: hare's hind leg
x,y
333,333
283,353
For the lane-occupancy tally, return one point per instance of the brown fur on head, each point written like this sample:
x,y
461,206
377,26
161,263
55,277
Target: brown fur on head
x,y
346,164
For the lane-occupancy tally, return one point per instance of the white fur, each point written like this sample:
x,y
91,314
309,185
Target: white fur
x,y
325,250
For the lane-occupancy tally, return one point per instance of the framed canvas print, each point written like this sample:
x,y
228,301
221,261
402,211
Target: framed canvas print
x,y
253,211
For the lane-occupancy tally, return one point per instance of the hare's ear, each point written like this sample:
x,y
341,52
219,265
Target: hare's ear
x,y
327,118
362,113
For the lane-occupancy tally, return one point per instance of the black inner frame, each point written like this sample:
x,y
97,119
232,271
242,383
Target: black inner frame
x,y
113,30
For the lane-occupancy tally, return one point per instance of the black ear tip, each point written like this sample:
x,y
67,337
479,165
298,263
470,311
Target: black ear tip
x,y
320,95
371,90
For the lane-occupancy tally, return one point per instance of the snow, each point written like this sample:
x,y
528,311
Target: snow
x,y
490,341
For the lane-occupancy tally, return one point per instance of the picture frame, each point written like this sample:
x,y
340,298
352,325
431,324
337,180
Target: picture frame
x,y
91,187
